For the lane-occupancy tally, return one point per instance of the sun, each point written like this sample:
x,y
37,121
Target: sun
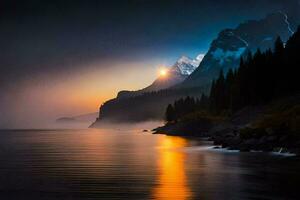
x,y
163,72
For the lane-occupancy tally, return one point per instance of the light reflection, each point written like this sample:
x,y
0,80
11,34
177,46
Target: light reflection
x,y
172,181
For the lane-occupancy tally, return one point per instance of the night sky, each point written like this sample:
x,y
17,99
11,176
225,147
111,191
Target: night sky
x,y
66,57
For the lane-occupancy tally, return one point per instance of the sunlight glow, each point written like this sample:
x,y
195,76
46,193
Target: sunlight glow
x,y
163,72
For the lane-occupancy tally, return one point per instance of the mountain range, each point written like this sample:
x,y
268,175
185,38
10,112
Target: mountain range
x,y
185,78
176,74
225,51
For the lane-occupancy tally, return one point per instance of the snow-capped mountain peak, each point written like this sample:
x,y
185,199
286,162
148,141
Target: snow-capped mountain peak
x,y
184,59
200,57
187,65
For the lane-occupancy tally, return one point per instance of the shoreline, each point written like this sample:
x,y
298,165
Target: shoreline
x,y
229,139
270,128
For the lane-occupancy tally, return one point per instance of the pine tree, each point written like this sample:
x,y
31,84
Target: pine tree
x,y
278,47
220,92
170,114
278,66
229,89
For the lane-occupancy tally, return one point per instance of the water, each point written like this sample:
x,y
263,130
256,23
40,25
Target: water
x,y
115,164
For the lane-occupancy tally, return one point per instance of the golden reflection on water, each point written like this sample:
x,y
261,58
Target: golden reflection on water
x,y
172,180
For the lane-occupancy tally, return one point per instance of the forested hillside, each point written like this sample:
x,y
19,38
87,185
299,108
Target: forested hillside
x,y
260,78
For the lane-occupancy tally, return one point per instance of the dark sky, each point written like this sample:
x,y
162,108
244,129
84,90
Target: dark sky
x,y
47,41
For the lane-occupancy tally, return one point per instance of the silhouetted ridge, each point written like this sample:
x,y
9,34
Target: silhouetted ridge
x,y
225,51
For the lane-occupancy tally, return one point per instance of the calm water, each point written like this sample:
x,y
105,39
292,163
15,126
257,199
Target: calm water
x,y
107,164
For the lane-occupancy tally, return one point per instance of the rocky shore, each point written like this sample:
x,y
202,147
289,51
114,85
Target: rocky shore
x,y
233,138
247,130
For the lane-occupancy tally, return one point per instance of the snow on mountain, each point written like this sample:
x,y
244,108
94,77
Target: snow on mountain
x,y
286,20
182,68
200,57
232,43
187,65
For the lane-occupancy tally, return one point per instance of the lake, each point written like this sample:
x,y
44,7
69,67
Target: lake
x,y
130,164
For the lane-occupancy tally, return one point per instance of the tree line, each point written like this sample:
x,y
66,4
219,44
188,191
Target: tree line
x,y
260,78
146,106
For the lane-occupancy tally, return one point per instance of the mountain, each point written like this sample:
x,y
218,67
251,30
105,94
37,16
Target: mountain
x,y
255,108
90,117
186,65
149,103
144,107
225,51
183,67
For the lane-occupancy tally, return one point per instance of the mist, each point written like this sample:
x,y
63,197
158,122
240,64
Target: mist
x,y
143,126
37,102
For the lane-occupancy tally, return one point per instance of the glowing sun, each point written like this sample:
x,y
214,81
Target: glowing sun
x,y
163,72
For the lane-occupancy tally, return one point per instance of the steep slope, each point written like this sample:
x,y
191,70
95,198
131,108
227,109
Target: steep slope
x,y
225,51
